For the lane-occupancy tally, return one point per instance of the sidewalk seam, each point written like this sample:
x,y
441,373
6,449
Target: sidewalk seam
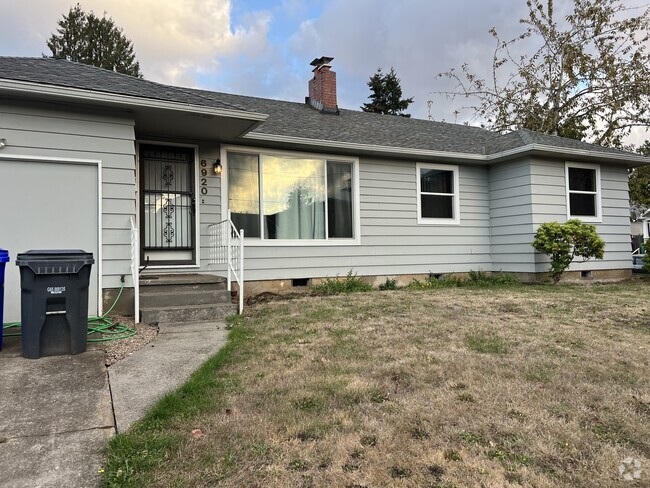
x,y
63,432
110,393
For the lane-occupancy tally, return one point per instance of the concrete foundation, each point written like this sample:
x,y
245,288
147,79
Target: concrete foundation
x,y
124,306
254,288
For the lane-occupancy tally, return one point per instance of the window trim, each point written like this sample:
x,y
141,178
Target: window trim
x,y
260,241
598,193
456,195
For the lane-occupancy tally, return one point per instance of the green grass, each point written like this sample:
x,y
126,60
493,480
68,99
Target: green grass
x,y
467,386
133,457
488,344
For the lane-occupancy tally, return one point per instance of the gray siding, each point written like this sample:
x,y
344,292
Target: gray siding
x,y
34,130
392,242
501,206
527,193
549,188
511,225
209,203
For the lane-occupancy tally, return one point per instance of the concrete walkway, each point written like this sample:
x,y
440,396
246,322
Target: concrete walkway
x,y
161,366
56,413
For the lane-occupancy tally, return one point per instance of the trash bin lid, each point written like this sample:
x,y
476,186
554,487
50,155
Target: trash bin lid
x,y
55,261
4,256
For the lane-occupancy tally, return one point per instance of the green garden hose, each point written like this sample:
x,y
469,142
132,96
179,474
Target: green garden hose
x,y
96,325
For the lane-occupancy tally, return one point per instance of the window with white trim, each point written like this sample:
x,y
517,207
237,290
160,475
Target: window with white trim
x,y
284,197
438,195
583,191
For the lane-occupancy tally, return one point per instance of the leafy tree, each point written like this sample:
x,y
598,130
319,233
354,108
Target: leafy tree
x,y
85,38
587,78
386,96
564,242
640,186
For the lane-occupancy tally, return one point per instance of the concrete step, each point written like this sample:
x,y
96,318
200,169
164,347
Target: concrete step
x,y
181,282
152,296
180,279
189,313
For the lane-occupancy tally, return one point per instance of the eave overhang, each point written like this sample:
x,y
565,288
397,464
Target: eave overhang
x,y
153,117
540,150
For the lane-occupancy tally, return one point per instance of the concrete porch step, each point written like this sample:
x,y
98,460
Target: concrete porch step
x,y
153,296
184,298
187,313
181,282
180,279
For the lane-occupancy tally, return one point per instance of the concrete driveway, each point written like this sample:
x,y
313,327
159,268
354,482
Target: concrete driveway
x,y
57,413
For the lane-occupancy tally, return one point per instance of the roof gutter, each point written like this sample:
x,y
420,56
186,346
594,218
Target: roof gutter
x,y
354,146
129,101
631,160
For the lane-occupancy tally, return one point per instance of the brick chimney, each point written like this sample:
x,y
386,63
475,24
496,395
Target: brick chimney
x,y
322,87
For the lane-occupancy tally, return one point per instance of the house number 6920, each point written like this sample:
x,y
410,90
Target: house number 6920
x,y
204,180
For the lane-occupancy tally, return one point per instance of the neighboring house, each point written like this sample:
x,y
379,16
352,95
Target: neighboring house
x,y
318,190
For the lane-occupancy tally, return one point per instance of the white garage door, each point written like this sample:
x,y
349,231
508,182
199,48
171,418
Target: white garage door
x,y
46,205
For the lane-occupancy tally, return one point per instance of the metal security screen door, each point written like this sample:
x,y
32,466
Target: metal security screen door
x,y
168,207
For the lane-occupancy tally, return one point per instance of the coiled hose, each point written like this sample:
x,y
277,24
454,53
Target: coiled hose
x,y
103,325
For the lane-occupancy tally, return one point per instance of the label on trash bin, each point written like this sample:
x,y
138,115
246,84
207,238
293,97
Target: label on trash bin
x,y
55,290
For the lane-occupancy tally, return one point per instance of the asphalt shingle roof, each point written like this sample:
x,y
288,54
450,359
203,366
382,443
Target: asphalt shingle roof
x,y
292,118
59,72
300,120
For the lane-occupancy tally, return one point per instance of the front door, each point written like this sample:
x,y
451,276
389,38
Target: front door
x,y
168,232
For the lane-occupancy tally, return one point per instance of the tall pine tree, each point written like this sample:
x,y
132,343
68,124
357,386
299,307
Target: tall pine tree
x,y
386,96
85,38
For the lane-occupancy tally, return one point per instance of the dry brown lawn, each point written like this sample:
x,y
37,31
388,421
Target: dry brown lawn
x,y
540,386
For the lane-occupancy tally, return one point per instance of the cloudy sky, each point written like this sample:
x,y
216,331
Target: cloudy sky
x,y
263,47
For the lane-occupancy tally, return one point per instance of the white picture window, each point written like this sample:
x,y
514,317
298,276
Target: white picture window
x,y
291,198
583,192
438,194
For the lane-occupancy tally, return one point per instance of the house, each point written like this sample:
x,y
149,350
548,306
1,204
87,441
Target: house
x,y
318,190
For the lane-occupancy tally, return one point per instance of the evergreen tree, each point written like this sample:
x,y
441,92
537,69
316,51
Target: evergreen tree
x,y
85,38
386,96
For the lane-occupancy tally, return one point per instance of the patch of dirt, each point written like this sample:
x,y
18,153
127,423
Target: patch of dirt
x,y
118,349
269,296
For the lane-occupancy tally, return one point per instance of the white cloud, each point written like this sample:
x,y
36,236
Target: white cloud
x,y
419,38
176,41
194,42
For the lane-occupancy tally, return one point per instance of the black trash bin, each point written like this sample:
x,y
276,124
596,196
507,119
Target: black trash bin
x,y
54,301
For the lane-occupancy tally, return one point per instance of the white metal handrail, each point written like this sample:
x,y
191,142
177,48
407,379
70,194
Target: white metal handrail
x,y
135,266
227,247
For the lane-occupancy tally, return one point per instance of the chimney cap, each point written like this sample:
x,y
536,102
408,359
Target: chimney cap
x,y
318,62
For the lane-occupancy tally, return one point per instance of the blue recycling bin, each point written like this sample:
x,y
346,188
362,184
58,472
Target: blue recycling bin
x,y
4,258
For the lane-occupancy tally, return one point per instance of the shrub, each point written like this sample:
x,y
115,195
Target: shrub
x,y
564,242
475,279
481,278
349,284
388,285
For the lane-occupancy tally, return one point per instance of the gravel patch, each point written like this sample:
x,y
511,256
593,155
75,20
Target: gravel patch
x,y
120,348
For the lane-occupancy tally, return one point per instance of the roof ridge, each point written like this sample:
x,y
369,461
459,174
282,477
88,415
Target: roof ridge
x,y
498,135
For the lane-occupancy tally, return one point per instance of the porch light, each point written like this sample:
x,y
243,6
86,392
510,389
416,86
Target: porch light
x,y
3,143
217,167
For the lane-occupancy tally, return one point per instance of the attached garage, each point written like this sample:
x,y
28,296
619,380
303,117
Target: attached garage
x,y
54,203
